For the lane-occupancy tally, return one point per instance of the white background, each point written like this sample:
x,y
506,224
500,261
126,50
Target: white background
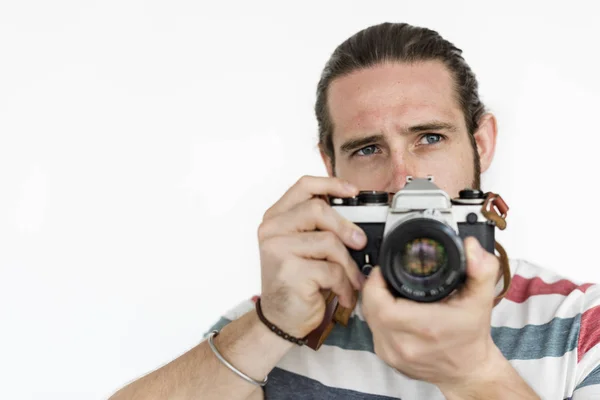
x,y
141,142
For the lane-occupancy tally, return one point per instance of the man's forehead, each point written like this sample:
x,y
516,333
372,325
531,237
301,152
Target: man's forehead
x,y
432,76
407,93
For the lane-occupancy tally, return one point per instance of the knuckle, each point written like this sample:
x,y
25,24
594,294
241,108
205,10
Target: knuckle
x,y
266,215
429,332
337,247
343,227
333,271
327,239
410,354
308,240
339,275
317,206
262,231
304,181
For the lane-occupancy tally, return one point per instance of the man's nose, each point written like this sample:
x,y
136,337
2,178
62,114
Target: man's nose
x,y
400,169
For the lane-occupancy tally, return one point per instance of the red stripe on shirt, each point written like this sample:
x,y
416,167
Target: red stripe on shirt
x,y
589,332
522,288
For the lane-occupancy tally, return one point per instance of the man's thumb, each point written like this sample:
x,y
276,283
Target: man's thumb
x,y
482,269
375,279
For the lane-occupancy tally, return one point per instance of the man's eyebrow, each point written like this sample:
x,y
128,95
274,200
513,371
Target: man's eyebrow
x,y
357,143
432,126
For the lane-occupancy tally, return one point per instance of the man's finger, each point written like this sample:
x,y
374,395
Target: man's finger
x,y
377,283
314,214
376,294
308,187
318,246
329,275
396,313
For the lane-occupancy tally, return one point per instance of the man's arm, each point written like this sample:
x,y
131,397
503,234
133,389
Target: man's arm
x,y
447,343
499,380
246,343
302,243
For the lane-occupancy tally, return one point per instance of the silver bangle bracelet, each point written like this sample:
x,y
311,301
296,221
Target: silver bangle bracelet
x,y
228,365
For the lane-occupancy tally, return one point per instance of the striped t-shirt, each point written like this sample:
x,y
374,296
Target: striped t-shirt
x,y
547,327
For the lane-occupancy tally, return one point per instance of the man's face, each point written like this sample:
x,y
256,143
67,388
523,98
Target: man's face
x,y
396,120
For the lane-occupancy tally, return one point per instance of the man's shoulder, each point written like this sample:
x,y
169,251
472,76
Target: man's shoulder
x,y
545,315
548,324
530,280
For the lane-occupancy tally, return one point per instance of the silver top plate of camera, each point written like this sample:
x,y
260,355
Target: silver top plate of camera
x,y
420,194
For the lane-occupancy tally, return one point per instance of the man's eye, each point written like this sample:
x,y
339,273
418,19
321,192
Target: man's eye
x,y
367,151
431,138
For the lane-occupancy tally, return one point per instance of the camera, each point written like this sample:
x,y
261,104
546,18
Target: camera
x,y
416,235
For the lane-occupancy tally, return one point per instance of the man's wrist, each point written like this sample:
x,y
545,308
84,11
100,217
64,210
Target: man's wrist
x,y
495,379
256,350
269,338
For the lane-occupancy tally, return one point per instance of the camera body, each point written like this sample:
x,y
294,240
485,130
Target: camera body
x,y
417,237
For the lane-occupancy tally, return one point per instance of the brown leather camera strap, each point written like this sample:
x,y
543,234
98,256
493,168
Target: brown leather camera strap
x,y
494,208
315,339
505,267
334,313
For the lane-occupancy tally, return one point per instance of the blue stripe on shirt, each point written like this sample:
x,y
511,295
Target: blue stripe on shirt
x,y
593,378
288,385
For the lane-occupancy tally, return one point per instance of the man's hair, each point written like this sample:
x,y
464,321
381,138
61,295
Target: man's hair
x,y
397,42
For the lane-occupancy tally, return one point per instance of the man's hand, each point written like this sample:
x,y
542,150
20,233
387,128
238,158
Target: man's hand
x,y
446,343
302,243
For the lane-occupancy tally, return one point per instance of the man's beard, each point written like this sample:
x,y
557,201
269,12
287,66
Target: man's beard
x,y
476,183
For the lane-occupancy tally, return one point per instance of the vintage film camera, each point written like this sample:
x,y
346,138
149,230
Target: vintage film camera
x,y
417,238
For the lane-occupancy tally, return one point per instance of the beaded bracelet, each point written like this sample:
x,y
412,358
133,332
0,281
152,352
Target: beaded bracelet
x,y
274,328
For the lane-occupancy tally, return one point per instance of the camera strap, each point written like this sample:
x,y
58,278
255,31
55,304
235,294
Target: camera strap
x,y
494,208
505,267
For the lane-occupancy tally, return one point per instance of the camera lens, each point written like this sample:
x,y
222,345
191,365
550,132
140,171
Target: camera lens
x,y
422,257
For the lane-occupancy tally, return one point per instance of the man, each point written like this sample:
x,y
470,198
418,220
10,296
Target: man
x,y
393,101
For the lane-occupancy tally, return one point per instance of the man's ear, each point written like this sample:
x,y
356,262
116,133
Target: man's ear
x,y
329,165
485,138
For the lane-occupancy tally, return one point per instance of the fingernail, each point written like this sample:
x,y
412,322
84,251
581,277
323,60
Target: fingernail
x,y
474,250
358,237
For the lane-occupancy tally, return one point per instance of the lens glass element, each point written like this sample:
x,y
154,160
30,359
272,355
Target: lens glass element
x,y
422,257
